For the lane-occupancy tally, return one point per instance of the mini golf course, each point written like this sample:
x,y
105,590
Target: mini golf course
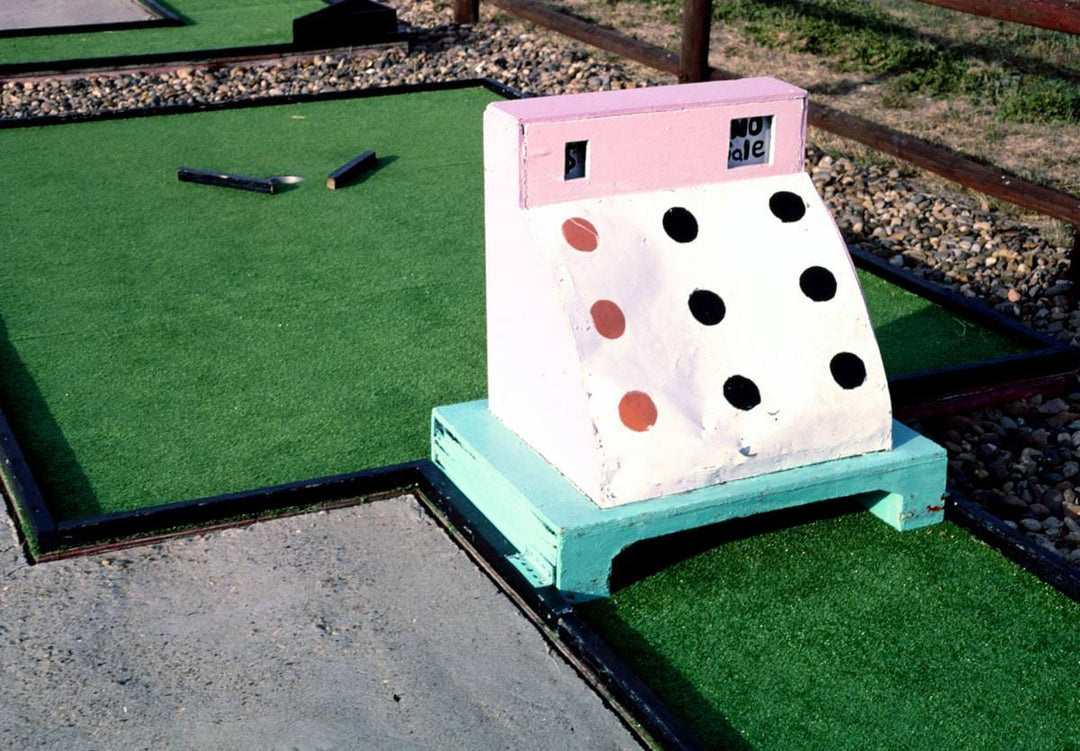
x,y
162,341
165,341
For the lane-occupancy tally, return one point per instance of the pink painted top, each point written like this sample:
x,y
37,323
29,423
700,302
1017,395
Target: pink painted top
x,y
664,137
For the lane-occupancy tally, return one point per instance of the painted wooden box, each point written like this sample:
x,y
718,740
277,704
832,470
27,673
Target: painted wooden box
x,y
669,302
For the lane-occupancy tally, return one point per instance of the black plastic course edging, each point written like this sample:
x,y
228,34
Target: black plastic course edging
x,y
268,101
184,517
220,54
22,491
165,17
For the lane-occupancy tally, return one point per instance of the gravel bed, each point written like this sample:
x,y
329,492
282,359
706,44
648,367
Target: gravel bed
x,y
1020,461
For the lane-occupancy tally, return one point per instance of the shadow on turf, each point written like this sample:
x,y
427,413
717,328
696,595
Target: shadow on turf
x,y
710,728
648,557
651,556
930,339
43,444
937,339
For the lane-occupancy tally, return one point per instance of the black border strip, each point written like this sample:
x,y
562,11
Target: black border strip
x,y
215,55
267,101
187,516
161,9
153,59
22,491
165,17
972,386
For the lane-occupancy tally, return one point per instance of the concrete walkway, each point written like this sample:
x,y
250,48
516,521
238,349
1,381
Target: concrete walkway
x,y
33,14
360,628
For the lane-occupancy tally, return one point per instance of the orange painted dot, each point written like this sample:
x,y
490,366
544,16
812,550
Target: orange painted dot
x,y
609,319
637,411
580,234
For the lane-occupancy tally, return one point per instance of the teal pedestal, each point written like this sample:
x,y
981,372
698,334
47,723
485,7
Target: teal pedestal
x,y
564,539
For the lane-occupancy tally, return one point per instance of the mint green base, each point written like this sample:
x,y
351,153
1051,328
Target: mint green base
x,y
566,540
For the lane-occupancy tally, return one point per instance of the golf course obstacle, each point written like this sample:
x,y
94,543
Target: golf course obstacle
x,y
676,333
225,180
352,170
346,23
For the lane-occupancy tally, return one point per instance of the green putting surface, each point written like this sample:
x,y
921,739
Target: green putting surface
x,y
209,24
163,341
915,335
845,634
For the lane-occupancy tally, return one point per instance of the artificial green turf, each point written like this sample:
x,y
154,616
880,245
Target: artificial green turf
x,y
845,634
209,24
162,341
915,335
165,341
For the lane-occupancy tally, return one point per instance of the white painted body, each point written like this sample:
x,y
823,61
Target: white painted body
x,y
558,374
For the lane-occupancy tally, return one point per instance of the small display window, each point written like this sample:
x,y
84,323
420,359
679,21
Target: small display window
x,y
575,160
750,141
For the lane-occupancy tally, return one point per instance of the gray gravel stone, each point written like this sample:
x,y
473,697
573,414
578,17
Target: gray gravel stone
x,y
1053,407
1030,525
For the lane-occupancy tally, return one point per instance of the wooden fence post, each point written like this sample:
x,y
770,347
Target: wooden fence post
x,y
466,11
694,55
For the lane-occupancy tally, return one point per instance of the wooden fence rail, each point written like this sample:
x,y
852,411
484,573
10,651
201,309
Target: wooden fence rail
x,y
692,65
1056,15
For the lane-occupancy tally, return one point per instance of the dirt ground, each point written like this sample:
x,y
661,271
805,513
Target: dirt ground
x,y
1049,155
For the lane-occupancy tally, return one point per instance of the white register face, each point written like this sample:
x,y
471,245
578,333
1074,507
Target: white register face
x,y
670,304
721,333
